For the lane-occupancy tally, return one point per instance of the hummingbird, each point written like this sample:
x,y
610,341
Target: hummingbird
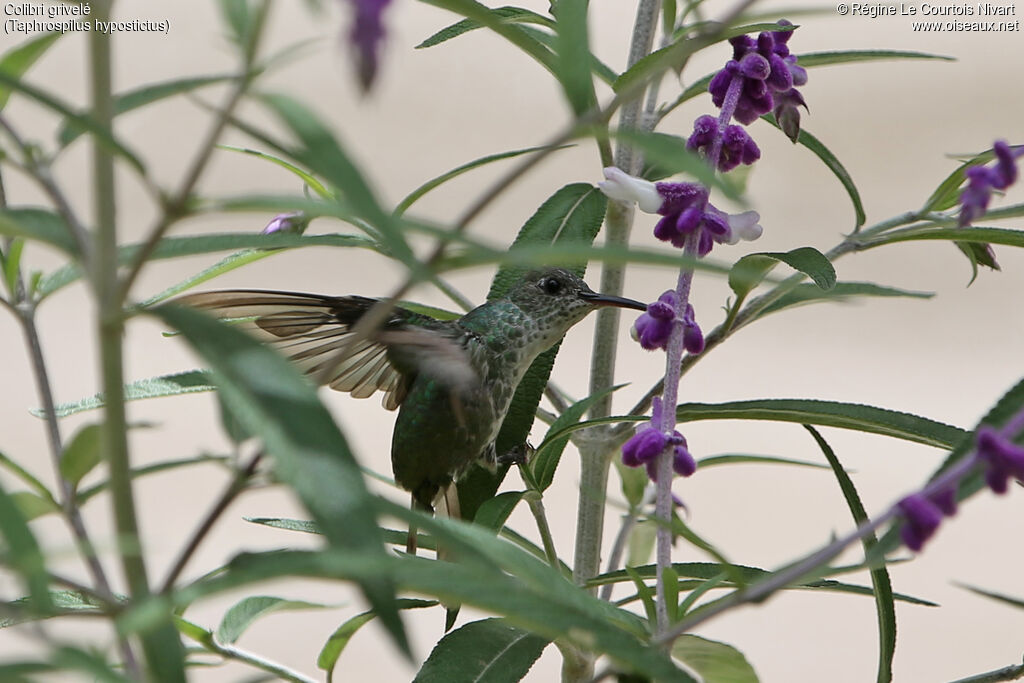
x,y
451,380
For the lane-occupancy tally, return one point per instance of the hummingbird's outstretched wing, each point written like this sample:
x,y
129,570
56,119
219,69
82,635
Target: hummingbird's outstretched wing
x,y
315,333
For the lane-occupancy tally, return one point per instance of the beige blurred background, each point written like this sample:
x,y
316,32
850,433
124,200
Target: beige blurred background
x,y
891,123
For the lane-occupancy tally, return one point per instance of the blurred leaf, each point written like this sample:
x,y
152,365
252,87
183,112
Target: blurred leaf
x,y
40,225
26,476
572,215
842,292
23,555
63,601
833,164
306,178
549,453
1013,238
812,59
32,505
272,400
713,660
634,481
748,271
511,15
667,155
485,651
85,123
645,594
880,580
16,61
426,187
497,22
244,613
335,645
11,262
641,539
573,54
188,382
140,97
82,454
236,15
92,491
999,597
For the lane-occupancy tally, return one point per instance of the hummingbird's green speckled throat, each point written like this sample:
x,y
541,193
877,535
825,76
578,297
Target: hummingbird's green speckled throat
x,y
452,380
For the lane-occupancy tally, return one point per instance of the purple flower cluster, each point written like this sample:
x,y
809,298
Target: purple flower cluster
x,y
653,328
1003,459
644,447
737,146
999,456
765,69
686,210
983,180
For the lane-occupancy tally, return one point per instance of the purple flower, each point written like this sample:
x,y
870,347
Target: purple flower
x,y
737,146
652,329
982,180
367,35
643,447
683,463
1004,459
295,222
921,518
765,68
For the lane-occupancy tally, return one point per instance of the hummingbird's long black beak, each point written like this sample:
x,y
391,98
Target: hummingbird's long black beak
x,y
608,300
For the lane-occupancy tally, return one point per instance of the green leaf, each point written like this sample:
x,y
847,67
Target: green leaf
x,y
573,50
549,453
11,262
175,384
713,660
335,645
308,179
236,15
947,194
493,513
813,59
24,556
16,61
433,183
880,580
92,491
140,97
497,22
1013,238
82,454
86,123
485,651
645,593
26,476
999,597
842,292
272,400
40,225
244,613
833,164
572,215
302,525
32,505
63,601
747,459
750,270
511,15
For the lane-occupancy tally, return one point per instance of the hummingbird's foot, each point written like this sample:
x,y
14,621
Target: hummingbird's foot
x,y
517,455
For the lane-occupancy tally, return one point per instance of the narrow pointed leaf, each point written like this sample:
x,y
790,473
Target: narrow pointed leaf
x,y
24,555
511,15
41,225
999,597
493,513
750,270
884,606
573,54
549,453
152,387
16,61
842,292
272,400
335,645
82,454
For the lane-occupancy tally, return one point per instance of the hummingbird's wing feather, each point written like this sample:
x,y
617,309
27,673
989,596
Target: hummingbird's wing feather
x,y
315,333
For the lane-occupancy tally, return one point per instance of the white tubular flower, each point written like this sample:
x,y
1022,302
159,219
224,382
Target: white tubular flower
x,y
621,186
744,226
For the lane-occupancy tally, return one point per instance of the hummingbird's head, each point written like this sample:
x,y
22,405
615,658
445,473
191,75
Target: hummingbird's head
x,y
557,299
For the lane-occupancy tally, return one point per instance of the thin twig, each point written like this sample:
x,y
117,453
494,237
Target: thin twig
x,y
236,486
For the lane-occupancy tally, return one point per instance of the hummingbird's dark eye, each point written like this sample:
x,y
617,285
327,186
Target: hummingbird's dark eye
x,y
551,285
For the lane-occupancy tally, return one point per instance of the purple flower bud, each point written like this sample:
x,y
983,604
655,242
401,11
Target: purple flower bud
x,y
705,129
945,500
683,463
982,180
737,148
1006,165
367,35
653,328
921,518
787,113
1004,459
679,196
782,37
689,220
755,66
780,78
643,447
295,222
